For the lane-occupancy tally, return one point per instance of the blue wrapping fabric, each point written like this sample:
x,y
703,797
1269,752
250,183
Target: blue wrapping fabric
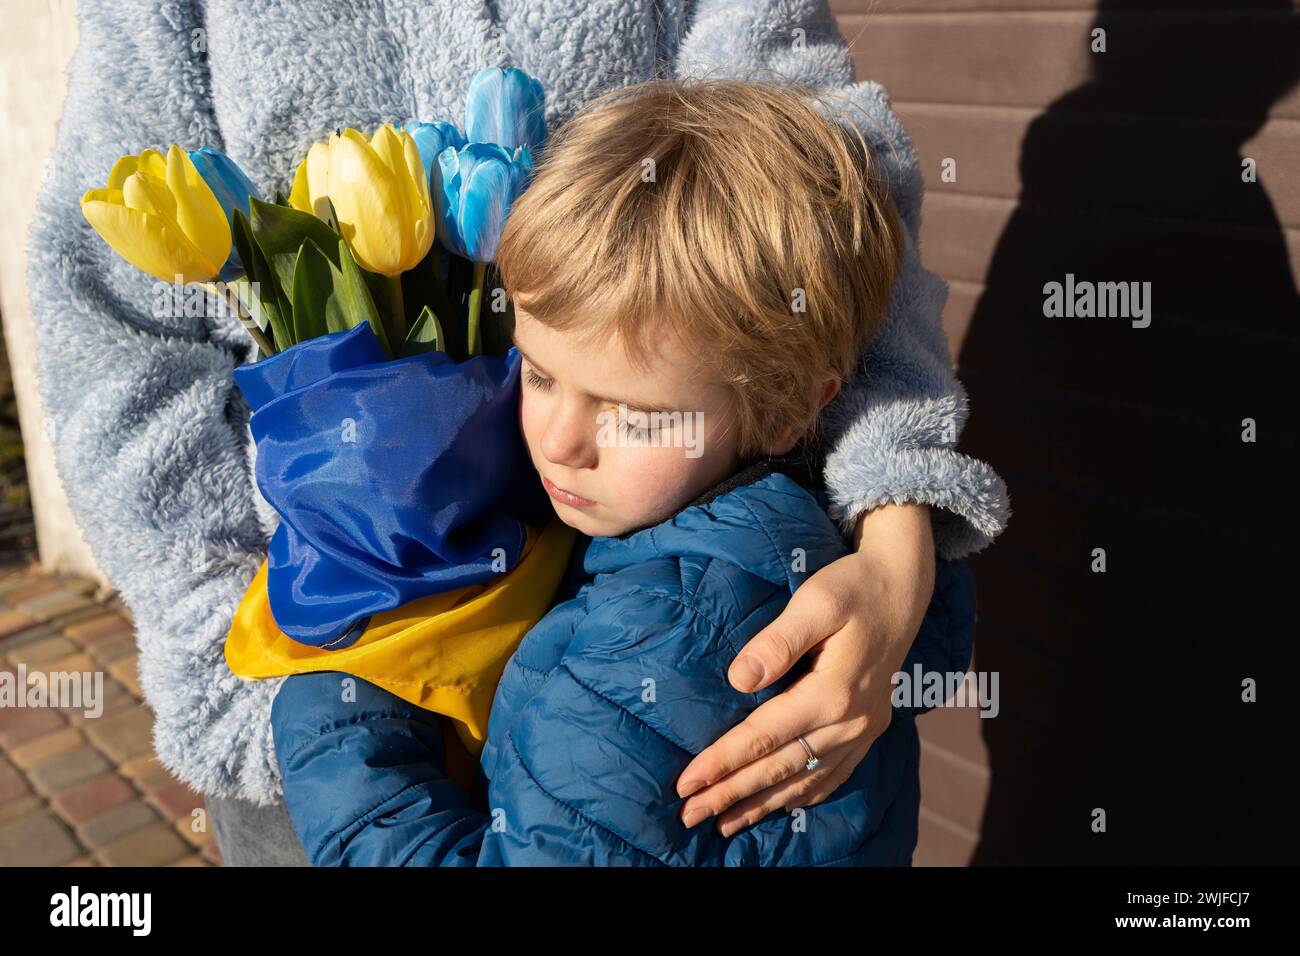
x,y
394,479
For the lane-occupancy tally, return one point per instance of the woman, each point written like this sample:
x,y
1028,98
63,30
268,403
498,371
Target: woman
x,y
151,437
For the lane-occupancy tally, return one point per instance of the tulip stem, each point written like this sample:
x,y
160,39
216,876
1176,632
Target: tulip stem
x,y
473,339
397,305
441,301
227,293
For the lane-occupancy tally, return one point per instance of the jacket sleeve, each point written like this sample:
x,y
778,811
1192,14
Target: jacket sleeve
x,y
583,777
150,436
364,779
890,436
945,642
585,774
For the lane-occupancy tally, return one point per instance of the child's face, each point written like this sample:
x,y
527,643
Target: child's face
x,y
605,476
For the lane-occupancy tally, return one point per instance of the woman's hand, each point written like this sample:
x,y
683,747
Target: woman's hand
x,y
857,617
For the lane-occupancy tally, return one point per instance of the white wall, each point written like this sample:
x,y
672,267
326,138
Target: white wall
x,y
36,43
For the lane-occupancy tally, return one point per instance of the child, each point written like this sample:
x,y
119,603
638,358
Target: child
x,y
695,269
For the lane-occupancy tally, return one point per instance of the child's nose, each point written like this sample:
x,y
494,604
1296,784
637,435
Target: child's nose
x,y
569,438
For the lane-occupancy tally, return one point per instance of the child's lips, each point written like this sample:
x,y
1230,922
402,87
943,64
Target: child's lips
x,y
565,497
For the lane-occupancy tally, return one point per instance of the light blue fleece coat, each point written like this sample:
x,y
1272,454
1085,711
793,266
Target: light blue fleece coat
x,y
151,436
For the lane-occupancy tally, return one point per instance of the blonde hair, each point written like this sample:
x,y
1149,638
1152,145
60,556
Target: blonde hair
x,y
704,209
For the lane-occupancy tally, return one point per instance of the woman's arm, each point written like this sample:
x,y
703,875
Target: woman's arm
x,y
895,481
891,432
857,617
147,429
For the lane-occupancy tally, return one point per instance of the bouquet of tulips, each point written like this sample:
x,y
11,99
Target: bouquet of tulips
x,y
383,403
355,240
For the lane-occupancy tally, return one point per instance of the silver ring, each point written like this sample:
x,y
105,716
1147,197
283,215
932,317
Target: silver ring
x,y
813,760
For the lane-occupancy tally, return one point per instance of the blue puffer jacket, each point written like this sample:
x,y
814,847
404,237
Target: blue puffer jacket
x,y
605,702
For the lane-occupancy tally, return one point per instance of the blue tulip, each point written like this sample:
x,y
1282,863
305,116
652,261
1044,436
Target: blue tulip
x,y
233,190
478,184
431,139
505,107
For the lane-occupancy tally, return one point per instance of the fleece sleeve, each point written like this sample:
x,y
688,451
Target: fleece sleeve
x,y
890,436
150,435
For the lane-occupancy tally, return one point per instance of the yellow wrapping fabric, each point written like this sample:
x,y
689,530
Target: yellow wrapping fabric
x,y
445,652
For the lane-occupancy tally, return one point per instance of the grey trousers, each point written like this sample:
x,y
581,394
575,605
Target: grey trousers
x,y
250,835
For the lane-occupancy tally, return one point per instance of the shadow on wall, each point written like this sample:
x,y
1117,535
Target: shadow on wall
x,y
1122,691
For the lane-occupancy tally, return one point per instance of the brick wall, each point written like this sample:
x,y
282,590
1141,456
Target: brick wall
x,y
1120,691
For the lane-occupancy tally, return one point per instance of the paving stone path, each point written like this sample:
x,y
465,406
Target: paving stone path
x,y
80,787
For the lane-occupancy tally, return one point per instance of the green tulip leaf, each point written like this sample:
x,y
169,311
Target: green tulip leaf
x,y
265,293
249,299
303,300
316,309
280,232
497,329
357,303
425,334
337,316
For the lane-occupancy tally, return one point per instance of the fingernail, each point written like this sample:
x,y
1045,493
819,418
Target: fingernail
x,y
695,816
747,672
688,787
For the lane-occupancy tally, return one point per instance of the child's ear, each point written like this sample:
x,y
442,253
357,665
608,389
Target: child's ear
x,y
785,444
830,389
790,437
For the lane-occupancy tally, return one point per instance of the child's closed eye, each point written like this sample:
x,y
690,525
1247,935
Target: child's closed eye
x,y
634,424
537,381
637,431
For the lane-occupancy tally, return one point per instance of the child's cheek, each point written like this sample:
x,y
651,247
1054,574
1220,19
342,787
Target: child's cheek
x,y
524,416
527,417
655,483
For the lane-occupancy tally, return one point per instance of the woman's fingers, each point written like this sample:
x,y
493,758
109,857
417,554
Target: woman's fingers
x,y
774,724
813,614
741,786
823,788
834,768
836,615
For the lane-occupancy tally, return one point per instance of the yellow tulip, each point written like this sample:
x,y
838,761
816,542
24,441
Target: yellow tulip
x,y
380,194
159,215
311,183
